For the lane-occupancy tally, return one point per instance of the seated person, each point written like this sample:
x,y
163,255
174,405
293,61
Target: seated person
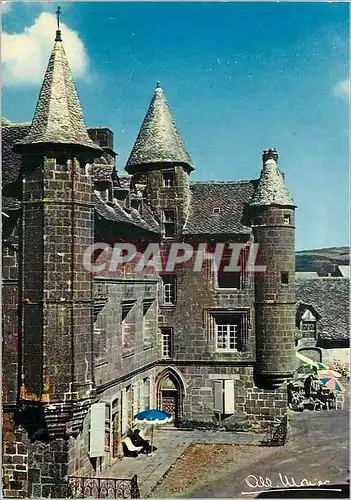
x,y
138,440
129,449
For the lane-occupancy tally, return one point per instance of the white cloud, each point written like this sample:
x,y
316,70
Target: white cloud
x,y
6,7
25,55
342,89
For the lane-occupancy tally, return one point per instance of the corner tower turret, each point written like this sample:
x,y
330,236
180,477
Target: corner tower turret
x,y
57,227
274,230
160,163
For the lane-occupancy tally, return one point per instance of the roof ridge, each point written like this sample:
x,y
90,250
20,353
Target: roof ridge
x,y
23,124
225,182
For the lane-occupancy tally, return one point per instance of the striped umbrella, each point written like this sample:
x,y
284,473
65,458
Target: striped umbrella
x,y
329,373
152,418
310,362
333,384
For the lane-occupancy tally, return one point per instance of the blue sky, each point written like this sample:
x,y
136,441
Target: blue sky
x,y
239,77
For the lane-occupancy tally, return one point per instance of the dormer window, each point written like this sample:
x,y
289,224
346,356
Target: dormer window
x,y
216,211
308,329
168,178
287,219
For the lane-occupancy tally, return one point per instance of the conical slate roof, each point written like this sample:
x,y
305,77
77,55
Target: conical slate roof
x,y
159,140
58,117
271,189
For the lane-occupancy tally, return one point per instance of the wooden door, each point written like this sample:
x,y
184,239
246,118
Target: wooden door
x,y
170,403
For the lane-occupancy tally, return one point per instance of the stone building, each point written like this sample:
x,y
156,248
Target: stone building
x,y
323,320
84,351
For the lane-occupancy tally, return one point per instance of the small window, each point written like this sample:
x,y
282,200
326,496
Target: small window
x,y
166,342
149,320
168,289
284,278
216,211
168,178
229,280
169,222
128,324
308,329
287,219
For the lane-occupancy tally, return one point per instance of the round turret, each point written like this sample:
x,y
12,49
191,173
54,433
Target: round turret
x,y
274,230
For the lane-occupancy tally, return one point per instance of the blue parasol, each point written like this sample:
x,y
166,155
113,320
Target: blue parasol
x,y
153,417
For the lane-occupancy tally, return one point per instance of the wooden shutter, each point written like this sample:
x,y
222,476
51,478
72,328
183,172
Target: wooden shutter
x,y
97,430
229,406
124,411
218,396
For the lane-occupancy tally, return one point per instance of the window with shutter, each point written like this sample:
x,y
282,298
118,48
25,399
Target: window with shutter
x,y
146,393
128,324
218,396
97,430
149,320
229,406
124,411
223,397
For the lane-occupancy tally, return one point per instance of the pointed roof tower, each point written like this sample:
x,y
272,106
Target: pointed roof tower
x,y
159,140
271,189
58,117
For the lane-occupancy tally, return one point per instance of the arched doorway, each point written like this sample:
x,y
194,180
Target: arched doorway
x,y
170,393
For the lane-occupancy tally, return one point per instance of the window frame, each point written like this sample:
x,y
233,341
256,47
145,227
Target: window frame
x,y
287,217
164,331
226,335
172,291
168,222
309,330
168,178
241,317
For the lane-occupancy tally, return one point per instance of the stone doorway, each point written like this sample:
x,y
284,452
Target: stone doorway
x,y
170,394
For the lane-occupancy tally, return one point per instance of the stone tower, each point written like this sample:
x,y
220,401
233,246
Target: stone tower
x,y
57,226
160,165
274,231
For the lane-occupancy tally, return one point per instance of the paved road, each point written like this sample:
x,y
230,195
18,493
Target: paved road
x,y
317,450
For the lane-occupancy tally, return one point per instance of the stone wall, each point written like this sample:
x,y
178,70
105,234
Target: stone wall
x,y
10,324
255,408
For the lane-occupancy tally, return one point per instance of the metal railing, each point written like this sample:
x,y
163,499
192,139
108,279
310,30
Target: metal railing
x,y
278,433
102,487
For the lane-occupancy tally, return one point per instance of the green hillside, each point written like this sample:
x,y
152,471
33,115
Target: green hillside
x,y
323,260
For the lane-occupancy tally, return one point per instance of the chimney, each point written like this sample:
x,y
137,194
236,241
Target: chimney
x,y
269,154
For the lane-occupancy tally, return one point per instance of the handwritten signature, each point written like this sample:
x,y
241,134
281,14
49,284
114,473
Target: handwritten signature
x,y
285,481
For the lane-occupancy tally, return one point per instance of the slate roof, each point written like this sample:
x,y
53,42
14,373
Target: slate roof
x,y
116,213
11,161
150,218
232,198
58,117
330,297
159,140
271,189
